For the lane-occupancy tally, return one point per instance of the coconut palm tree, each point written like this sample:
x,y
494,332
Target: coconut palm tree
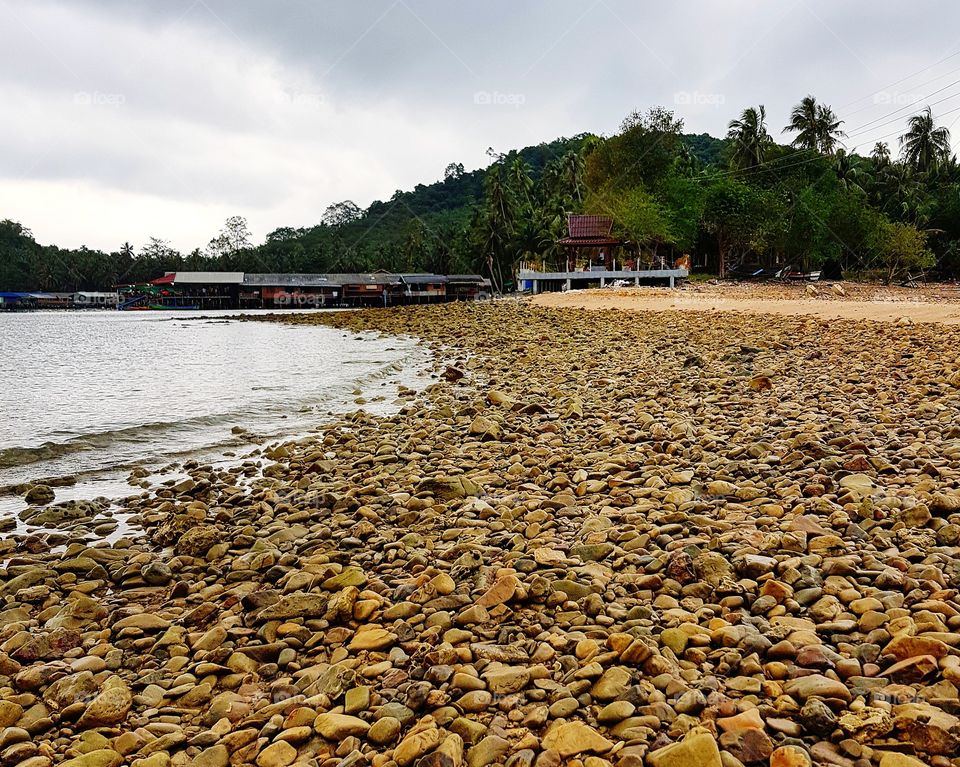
x,y
750,138
881,154
816,126
924,146
850,173
519,179
573,167
828,129
803,122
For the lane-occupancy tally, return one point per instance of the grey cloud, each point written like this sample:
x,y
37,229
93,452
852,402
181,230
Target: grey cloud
x,y
241,102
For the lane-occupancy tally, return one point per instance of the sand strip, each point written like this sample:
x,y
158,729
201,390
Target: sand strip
x,y
890,310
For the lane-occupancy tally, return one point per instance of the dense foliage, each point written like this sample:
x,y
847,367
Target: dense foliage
x,y
745,199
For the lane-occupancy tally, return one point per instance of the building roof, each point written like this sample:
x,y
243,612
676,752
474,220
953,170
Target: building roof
x,y
377,278
423,279
291,280
588,226
590,242
253,279
199,278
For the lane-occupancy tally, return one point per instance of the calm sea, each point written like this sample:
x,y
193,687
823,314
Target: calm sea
x,y
93,394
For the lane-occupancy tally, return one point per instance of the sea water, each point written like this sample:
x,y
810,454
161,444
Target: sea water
x,y
93,394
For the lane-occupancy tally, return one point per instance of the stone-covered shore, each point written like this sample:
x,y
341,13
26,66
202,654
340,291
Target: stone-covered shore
x,y
601,538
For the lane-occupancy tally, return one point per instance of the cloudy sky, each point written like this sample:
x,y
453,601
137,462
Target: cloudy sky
x,y
125,119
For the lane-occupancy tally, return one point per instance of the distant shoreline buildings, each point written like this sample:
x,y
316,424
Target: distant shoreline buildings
x,y
244,290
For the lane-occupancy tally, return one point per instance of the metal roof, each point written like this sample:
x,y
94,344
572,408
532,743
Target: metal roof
x,y
379,278
422,279
291,280
206,278
310,280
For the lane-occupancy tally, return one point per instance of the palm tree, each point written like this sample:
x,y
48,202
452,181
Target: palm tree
x,y
686,162
520,180
573,165
849,171
828,129
881,154
750,138
816,126
803,122
497,226
924,146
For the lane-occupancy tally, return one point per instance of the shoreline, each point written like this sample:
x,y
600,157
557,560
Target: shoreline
x,y
589,539
107,456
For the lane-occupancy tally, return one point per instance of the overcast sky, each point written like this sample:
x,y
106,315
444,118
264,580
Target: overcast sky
x,y
124,119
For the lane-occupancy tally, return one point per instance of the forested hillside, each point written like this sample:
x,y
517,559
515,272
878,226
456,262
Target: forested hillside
x,y
744,198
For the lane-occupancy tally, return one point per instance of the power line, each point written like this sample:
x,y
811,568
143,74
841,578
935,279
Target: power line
x,y
766,164
918,72
918,85
894,133
807,161
858,132
908,106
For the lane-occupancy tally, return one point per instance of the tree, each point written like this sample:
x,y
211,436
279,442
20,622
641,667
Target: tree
x,y
237,234
880,154
816,126
739,217
850,173
641,153
158,249
496,227
803,122
518,177
453,171
19,253
750,138
284,234
571,170
233,238
924,146
828,129
345,212
903,249
683,200
638,215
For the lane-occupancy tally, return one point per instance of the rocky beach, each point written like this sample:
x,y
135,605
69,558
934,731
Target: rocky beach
x,y
598,538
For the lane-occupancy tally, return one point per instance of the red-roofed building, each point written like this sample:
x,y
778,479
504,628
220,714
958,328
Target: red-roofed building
x,y
590,235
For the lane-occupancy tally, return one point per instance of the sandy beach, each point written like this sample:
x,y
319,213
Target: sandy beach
x,y
939,304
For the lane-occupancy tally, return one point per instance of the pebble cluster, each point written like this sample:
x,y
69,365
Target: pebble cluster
x,y
600,538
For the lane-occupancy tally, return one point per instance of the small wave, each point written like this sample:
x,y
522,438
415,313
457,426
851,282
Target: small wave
x,y
48,451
